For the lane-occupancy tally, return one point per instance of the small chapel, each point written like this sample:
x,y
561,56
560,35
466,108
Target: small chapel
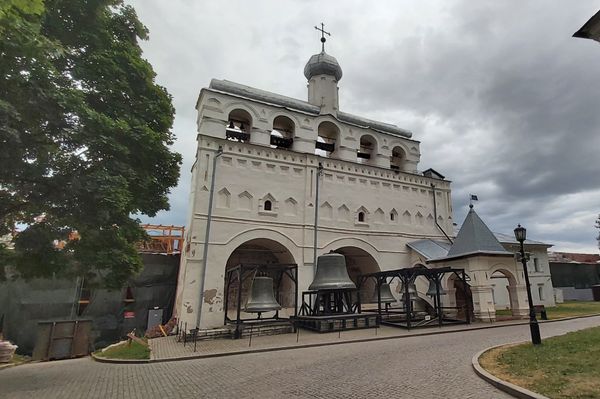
x,y
278,182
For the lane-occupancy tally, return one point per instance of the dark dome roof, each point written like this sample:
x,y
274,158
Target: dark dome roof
x,y
322,64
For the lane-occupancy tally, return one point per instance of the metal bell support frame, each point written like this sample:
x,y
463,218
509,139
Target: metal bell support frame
x,y
386,294
331,274
262,298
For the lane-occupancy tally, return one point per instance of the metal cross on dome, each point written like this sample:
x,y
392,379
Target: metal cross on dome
x,y
323,33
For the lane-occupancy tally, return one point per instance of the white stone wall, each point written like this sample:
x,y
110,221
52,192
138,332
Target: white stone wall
x,y
248,174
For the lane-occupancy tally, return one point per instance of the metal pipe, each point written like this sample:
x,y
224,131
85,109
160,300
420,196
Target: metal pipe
x,y
435,214
319,172
207,232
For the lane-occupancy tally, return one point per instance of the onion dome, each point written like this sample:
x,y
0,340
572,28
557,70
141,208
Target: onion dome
x,y
322,64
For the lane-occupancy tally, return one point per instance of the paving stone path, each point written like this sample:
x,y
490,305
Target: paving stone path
x,y
436,366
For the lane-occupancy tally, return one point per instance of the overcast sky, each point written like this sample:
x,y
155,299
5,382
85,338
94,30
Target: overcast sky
x,y
505,102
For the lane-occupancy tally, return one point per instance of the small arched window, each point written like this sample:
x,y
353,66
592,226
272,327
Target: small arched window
x,y
392,216
268,205
361,216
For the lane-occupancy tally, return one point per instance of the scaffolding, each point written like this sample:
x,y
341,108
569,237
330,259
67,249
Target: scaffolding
x,y
164,239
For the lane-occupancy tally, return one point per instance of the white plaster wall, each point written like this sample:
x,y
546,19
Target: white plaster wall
x,y
249,173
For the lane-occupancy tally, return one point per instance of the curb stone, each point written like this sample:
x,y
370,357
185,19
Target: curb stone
x,y
354,341
511,389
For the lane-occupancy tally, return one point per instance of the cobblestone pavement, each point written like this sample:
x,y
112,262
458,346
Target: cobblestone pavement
x,y
417,367
168,347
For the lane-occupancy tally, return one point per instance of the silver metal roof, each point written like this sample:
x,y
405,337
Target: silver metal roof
x,y
371,124
510,239
475,238
322,64
430,249
240,90
262,95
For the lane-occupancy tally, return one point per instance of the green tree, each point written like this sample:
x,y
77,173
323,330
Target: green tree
x,y
84,136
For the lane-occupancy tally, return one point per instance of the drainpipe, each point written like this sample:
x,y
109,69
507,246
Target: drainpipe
x,y
319,172
207,233
435,214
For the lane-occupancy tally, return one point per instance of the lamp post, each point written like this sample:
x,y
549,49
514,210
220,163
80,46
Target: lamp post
x,y
520,235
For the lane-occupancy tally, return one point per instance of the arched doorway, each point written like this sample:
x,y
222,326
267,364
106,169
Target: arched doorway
x,y
503,293
261,251
459,298
358,262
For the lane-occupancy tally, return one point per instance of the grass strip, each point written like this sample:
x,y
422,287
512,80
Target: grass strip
x,y
133,350
566,366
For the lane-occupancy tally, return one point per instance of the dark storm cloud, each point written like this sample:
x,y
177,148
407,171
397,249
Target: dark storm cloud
x,y
504,101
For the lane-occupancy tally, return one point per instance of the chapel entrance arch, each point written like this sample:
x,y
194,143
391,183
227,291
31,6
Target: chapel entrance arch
x,y
460,299
504,293
260,251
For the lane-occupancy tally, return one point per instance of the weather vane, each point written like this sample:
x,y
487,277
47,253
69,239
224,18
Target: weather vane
x,y
323,33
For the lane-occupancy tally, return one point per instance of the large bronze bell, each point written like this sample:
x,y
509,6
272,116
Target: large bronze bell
x,y
262,297
331,273
386,294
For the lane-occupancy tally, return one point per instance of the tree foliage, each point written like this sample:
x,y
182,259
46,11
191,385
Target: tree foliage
x,y
84,136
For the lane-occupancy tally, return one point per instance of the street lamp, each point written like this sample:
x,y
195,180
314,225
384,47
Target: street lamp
x,y
520,235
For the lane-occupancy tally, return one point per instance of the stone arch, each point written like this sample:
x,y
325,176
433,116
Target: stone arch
x,y
278,114
368,148
504,289
328,137
283,127
398,158
239,124
260,251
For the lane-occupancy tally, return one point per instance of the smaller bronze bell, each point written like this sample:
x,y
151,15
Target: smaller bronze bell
x,y
386,294
262,297
431,291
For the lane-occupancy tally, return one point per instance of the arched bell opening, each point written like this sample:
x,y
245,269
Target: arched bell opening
x,y
260,252
359,262
239,125
282,134
367,149
328,135
398,159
